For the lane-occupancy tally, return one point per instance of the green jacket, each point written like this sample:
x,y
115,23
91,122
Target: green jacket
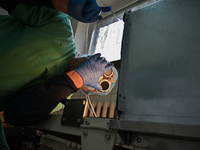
x,y
36,43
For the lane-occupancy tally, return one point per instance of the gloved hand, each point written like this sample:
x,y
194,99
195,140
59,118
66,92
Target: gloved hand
x,y
86,11
92,69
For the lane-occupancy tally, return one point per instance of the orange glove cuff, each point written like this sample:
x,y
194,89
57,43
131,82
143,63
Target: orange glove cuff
x,y
76,78
61,5
5,125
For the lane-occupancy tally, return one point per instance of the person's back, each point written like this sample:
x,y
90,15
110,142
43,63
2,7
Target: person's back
x,y
37,43
36,46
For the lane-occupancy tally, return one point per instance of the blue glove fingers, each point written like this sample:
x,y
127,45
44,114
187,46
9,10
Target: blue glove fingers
x,y
92,69
104,63
101,61
103,58
92,11
96,16
100,58
97,19
95,56
91,6
98,87
108,67
106,9
86,11
93,15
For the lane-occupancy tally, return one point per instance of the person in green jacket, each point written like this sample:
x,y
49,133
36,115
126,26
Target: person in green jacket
x,y
36,48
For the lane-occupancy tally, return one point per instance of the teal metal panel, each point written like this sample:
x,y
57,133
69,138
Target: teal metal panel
x,y
160,67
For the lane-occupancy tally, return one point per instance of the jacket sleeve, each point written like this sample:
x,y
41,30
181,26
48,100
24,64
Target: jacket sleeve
x,y
34,105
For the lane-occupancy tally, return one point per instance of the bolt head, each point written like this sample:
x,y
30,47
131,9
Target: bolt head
x,y
87,122
78,121
85,133
107,136
139,140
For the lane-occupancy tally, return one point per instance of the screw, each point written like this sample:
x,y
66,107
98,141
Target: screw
x,y
139,140
78,121
64,119
107,136
108,124
85,133
87,122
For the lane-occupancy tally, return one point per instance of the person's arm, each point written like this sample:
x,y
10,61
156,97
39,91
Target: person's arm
x,y
34,105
